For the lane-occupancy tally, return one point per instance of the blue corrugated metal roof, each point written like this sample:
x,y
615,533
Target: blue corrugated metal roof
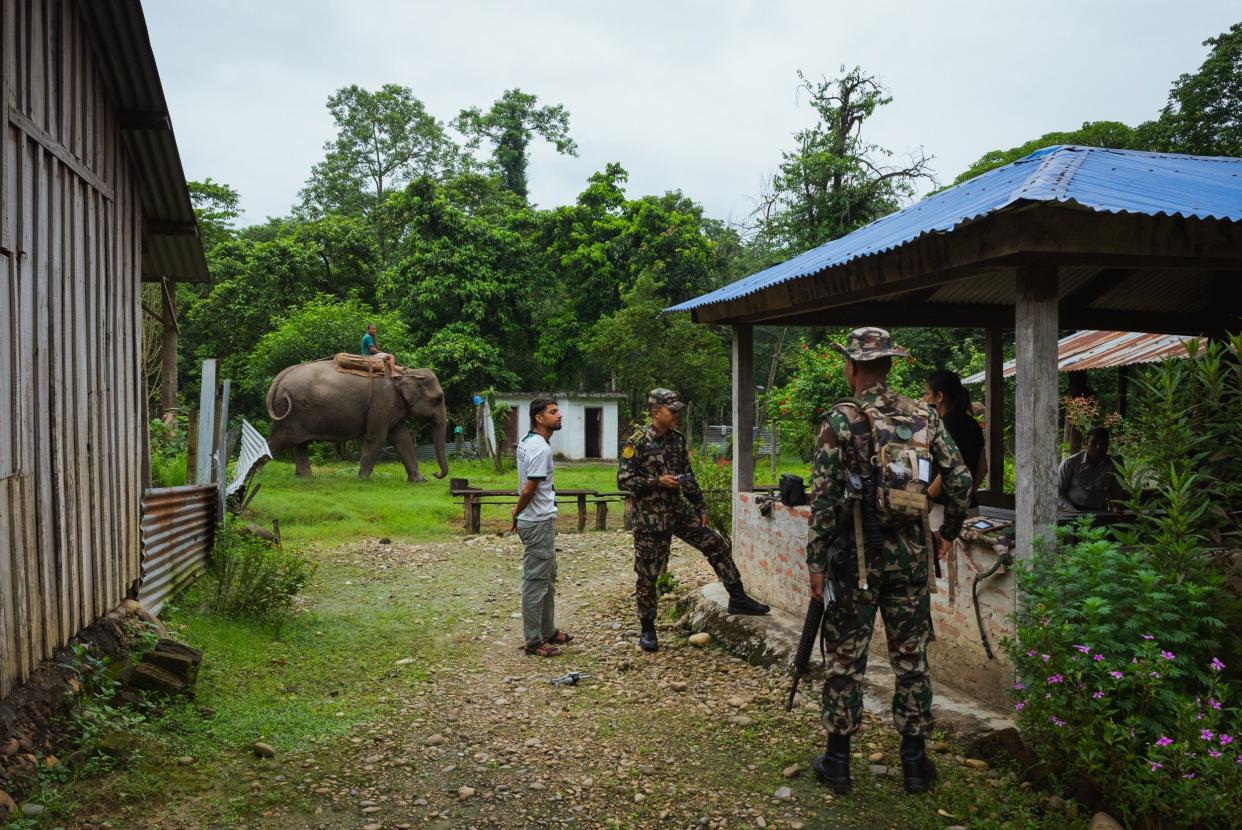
x,y
1111,181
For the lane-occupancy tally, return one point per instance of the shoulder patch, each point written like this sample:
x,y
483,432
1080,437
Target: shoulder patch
x,y
628,452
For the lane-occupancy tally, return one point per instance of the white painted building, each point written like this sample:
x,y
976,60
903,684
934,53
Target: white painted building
x,y
589,424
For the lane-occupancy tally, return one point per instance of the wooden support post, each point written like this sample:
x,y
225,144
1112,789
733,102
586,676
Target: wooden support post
x,y
206,423
994,408
1036,430
222,448
168,351
581,512
1077,388
743,408
601,515
191,446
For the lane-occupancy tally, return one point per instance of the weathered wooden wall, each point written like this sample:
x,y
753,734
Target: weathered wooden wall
x,y
72,406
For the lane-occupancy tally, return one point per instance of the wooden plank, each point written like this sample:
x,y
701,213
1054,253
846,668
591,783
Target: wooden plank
x,y
31,323
743,408
66,156
25,564
582,512
50,363
10,431
1035,432
10,668
994,406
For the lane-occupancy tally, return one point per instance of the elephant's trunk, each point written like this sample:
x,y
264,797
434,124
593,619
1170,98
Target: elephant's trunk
x,y
439,425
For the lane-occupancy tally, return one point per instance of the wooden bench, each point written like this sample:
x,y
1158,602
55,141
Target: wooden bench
x,y
473,499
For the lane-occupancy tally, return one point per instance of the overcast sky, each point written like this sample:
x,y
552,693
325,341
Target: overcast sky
x,y
697,96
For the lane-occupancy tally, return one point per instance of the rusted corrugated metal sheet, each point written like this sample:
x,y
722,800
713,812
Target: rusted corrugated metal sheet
x,y
178,528
1106,350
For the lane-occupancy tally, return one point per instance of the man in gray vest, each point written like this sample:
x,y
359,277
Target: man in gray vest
x,y
534,519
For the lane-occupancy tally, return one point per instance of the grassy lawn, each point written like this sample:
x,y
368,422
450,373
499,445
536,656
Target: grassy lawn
x,y
335,505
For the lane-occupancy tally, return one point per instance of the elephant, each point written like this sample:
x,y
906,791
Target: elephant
x,y
315,402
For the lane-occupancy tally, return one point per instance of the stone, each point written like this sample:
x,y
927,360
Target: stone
x,y
678,686
975,763
434,740
185,760
639,798
7,806
10,747
761,822
33,810
939,746
374,808
701,639
1054,804
742,720
263,750
405,661
736,702
783,793
792,771
1103,821
464,793
879,769
876,757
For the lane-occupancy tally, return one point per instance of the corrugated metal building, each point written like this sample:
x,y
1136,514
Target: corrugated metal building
x,y
1091,349
94,198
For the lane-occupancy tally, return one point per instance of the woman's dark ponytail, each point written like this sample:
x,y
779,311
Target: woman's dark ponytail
x,y
949,384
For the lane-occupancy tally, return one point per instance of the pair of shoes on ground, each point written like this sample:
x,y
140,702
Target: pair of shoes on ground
x,y
547,649
833,767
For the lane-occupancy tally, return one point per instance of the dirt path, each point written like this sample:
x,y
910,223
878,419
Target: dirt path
x,y
467,731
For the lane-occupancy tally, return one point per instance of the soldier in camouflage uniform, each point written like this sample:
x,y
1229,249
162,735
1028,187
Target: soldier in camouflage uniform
x,y
896,564
655,471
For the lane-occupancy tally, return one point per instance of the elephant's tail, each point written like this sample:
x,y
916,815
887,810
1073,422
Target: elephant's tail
x,y
273,392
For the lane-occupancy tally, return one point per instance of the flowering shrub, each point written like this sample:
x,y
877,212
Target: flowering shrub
x,y
1119,684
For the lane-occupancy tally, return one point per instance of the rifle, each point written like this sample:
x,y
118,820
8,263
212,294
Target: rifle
x,y
802,660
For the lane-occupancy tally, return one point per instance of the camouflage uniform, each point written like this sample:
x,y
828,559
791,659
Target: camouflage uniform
x,y
660,513
897,579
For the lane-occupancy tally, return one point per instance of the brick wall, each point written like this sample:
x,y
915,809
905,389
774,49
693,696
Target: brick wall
x,y
770,553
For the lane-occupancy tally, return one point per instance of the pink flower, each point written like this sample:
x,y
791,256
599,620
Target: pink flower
x,y
1155,674
1116,675
1045,657
1206,734
1147,637
1019,706
1168,655
1097,658
1056,721
1098,695
1189,775
1216,664
1225,740
1056,678
1213,753
1165,740
1030,653
1215,704
1155,766
1019,685
1083,649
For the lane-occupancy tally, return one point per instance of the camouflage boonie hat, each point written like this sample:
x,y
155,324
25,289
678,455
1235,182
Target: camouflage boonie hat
x,y
869,344
667,397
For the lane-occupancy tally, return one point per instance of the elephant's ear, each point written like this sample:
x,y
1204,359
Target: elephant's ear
x,y
411,389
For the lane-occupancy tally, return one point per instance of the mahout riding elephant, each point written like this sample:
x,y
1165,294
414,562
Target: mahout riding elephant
x,y
315,402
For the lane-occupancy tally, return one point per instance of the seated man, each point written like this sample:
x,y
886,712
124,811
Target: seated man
x,y
1088,479
370,348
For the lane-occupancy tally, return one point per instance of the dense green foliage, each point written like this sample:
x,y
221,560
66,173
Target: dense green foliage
x,y
1128,639
255,579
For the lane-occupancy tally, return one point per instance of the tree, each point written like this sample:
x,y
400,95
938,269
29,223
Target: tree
x,y
1204,112
642,348
216,206
384,139
834,181
509,126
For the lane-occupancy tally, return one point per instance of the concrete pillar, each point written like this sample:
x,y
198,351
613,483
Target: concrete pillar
x,y
1036,433
994,409
743,408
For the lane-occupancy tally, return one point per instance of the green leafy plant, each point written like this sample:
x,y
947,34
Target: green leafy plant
x,y
255,579
666,583
168,452
714,474
1119,682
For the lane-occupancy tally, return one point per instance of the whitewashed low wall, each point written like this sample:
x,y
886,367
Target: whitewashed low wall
x,y
771,555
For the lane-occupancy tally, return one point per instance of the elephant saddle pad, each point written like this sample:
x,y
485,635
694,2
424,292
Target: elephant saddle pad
x,y
361,365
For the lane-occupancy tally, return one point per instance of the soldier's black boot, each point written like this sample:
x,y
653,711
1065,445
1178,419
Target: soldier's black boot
x,y
833,767
740,603
647,641
917,770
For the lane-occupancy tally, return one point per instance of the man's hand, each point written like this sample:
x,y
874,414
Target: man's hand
x,y
513,514
817,585
703,517
669,482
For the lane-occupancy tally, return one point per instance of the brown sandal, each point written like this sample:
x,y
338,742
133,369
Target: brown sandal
x,y
544,650
560,637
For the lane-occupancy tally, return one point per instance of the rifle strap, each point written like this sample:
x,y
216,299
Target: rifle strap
x,y
931,554
859,546
953,572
